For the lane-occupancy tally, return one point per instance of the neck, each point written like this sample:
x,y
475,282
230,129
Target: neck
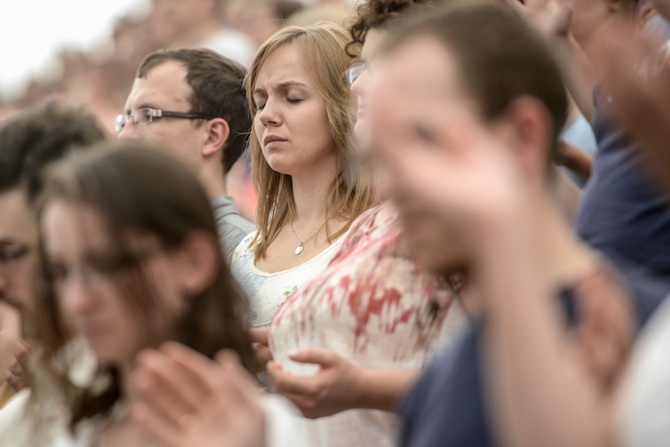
x,y
213,180
310,192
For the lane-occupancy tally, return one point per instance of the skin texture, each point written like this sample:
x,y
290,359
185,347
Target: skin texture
x,y
197,143
362,86
339,384
91,298
546,388
16,227
182,399
291,108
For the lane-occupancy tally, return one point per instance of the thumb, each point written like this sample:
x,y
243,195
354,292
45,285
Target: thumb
x,y
321,357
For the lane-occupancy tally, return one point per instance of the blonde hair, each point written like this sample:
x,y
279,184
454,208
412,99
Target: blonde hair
x,y
322,47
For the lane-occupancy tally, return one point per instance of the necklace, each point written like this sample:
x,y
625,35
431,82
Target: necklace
x,y
301,246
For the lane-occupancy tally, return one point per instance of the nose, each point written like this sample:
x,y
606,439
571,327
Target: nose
x,y
129,132
269,116
359,88
76,295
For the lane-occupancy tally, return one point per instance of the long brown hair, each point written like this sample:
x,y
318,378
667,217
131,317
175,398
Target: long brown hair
x,y
136,190
352,191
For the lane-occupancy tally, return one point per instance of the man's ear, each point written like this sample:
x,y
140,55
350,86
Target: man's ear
x,y
217,136
531,126
198,263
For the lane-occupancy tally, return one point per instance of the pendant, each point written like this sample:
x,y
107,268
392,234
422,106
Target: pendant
x,y
299,248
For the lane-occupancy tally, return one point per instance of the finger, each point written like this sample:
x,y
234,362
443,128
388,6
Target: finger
x,y
153,423
229,360
163,384
199,370
260,335
321,357
283,382
263,355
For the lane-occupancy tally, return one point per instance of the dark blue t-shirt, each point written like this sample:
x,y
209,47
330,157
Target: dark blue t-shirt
x,y
447,406
624,213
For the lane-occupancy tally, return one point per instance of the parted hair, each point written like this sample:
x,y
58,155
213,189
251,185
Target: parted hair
x,y
322,47
126,183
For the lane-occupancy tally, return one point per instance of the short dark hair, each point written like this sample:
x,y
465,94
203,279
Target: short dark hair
x,y
217,85
500,57
40,135
377,14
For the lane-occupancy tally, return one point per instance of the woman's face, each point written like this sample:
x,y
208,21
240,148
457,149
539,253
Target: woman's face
x,y
291,123
96,287
361,87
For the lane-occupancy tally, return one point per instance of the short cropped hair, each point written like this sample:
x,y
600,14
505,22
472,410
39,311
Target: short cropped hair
x,y
40,135
217,85
500,57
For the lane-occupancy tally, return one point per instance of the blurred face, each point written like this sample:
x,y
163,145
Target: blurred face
x,y
170,18
165,88
291,123
587,18
417,80
361,87
18,237
97,289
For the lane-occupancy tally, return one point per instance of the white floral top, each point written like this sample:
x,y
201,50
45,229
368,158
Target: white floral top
x,y
267,291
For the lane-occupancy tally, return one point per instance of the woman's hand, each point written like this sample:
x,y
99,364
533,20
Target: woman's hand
x,y
339,384
334,388
260,340
182,398
10,338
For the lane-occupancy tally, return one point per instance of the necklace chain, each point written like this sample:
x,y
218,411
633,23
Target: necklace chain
x,y
301,244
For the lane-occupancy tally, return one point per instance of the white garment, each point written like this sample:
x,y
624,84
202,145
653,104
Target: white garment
x,y
267,291
645,408
373,306
232,44
284,426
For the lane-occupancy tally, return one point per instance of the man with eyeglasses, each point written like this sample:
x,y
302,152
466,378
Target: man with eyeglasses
x,y
27,144
192,102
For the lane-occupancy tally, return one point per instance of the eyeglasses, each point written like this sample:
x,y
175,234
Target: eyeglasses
x,y
146,115
355,70
10,254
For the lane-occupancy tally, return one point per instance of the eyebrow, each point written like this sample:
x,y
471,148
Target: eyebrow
x,y
281,86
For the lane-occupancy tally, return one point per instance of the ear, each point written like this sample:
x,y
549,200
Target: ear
x,y
198,262
530,128
218,132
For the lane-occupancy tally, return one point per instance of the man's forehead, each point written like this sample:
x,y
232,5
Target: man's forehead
x,y
165,81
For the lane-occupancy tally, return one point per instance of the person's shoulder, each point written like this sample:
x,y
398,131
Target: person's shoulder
x,y
244,248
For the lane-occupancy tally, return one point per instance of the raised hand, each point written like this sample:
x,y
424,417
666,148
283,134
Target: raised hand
x,y
182,398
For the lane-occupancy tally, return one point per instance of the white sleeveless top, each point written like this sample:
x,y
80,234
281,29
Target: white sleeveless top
x,y
267,291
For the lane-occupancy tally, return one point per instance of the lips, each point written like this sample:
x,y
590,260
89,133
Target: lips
x,y
272,139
